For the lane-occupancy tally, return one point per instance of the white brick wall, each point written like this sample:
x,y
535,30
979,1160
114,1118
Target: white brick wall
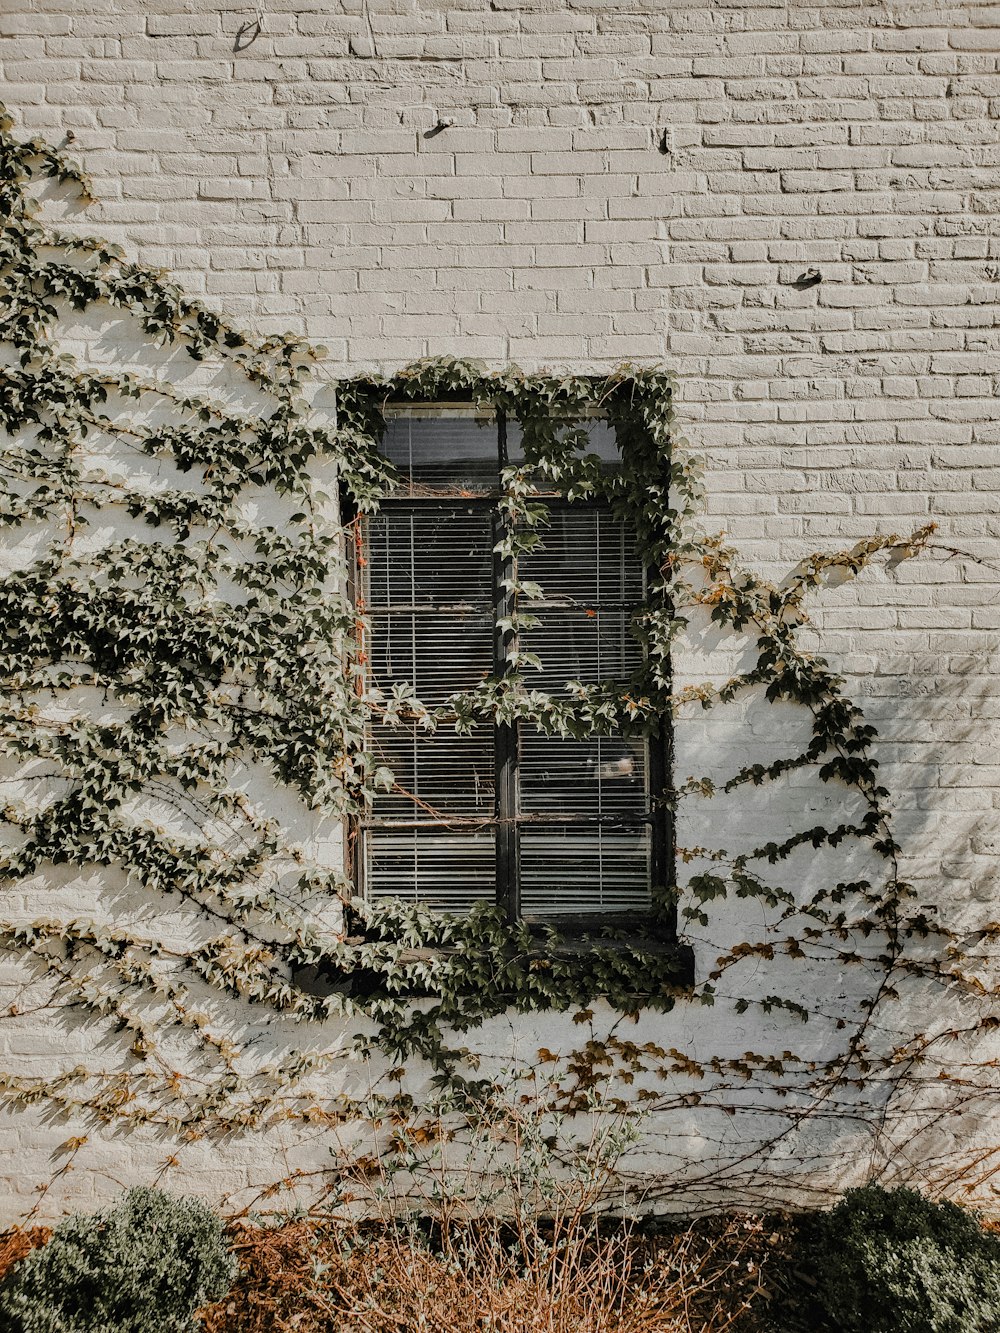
x,y
290,180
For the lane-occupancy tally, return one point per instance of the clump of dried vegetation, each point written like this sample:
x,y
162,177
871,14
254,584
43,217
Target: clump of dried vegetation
x,y
494,1275
19,1241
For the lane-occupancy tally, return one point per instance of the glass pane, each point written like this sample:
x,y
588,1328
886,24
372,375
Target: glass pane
x,y
439,654
443,455
596,437
601,776
449,871
591,579
438,776
580,870
432,556
584,645
586,557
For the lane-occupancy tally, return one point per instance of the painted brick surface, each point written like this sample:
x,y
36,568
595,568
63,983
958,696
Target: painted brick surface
x,y
638,180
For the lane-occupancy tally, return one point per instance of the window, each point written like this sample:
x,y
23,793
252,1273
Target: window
x,y
550,828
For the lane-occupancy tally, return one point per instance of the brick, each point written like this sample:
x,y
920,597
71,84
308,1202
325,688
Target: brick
x,y
567,163
40,25
181,25
232,189
814,181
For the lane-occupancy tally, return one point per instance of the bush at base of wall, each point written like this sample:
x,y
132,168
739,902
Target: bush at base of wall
x,y
893,1262
142,1267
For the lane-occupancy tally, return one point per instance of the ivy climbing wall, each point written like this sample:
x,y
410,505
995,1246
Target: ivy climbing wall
x,y
794,208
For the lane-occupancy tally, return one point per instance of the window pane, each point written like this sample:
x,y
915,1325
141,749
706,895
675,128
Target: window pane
x,y
430,557
438,653
438,776
576,869
449,871
445,455
586,557
601,776
600,440
591,580
577,645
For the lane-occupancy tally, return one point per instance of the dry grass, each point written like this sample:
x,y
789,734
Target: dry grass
x,y
314,1277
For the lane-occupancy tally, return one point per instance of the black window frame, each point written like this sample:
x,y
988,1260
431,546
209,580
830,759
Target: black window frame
x,y
656,924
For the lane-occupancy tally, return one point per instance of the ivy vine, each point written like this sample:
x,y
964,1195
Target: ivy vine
x,y
163,641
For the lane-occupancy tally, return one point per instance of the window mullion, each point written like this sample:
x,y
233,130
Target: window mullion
x,y
660,758
505,737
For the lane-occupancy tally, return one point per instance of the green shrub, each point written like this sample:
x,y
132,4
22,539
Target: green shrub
x,y
891,1261
142,1267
